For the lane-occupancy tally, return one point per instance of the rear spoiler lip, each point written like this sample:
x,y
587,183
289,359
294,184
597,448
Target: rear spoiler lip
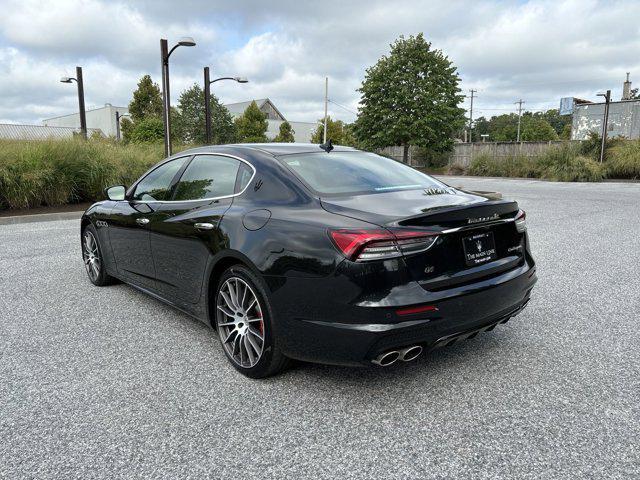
x,y
509,209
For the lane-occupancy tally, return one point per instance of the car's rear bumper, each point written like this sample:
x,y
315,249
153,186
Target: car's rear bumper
x,y
325,330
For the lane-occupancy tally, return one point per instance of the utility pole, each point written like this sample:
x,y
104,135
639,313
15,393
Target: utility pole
x,y
207,106
326,100
83,115
471,116
166,96
519,103
207,100
607,100
80,83
118,118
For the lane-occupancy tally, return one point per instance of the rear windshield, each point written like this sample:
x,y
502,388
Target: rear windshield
x,y
355,172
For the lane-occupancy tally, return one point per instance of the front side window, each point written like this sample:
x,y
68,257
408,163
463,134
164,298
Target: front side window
x,y
156,186
355,172
208,176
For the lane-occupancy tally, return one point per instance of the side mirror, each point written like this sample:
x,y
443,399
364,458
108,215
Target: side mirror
x,y
116,192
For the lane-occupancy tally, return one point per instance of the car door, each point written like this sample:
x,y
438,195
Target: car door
x,y
185,233
129,220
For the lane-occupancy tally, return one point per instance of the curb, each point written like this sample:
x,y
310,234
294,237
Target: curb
x,y
41,217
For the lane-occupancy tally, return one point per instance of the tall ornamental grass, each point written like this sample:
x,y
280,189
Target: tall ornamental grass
x,y
55,172
563,163
623,160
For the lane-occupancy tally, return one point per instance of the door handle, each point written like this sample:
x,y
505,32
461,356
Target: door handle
x,y
142,221
204,226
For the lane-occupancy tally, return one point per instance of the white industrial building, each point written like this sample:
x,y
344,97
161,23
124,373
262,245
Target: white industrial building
x,y
104,119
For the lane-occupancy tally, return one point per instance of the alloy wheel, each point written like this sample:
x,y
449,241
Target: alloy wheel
x,y
240,322
91,256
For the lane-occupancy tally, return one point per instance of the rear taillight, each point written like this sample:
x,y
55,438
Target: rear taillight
x,y
521,221
381,244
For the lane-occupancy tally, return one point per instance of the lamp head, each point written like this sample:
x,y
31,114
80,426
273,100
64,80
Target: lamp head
x,y
66,79
242,80
187,42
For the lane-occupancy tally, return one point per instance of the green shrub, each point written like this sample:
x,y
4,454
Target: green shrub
x,y
566,163
592,145
513,166
574,169
563,163
54,172
623,160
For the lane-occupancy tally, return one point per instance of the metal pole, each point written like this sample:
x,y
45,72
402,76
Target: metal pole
x,y
326,99
83,115
519,102
166,96
117,126
207,106
607,99
471,116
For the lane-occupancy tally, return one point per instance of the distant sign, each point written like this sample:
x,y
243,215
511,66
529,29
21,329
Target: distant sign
x,y
566,106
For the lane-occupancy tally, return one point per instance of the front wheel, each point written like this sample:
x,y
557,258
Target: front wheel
x,y
93,259
244,324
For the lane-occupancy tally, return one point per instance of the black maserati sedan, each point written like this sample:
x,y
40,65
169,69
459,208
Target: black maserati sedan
x,y
322,254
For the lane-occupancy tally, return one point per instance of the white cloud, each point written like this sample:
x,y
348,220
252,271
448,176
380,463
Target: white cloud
x,y
538,51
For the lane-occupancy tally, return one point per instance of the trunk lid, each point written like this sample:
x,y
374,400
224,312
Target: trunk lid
x,y
462,220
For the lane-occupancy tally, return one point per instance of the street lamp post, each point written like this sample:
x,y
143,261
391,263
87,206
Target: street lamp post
x,y
607,100
207,99
118,117
83,116
165,53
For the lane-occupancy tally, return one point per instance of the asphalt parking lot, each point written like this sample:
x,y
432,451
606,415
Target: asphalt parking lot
x,y
109,383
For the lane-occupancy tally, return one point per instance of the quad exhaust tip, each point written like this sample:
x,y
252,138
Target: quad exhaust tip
x,y
390,357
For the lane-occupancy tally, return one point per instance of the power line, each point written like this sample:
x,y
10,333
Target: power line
x,y
342,106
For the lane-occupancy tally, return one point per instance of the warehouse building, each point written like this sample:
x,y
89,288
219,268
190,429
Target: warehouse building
x,y
104,119
588,117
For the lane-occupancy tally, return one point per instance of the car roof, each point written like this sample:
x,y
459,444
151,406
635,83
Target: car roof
x,y
271,148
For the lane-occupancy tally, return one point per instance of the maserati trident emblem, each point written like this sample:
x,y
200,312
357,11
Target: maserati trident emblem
x,y
495,216
479,246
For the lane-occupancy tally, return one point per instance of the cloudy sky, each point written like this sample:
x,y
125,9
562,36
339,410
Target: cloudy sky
x,y
539,51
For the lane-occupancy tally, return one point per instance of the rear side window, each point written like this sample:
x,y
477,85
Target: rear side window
x,y
245,176
355,172
156,186
208,176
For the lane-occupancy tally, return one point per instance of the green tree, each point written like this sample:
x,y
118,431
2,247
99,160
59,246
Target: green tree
x,y
190,125
147,130
410,97
504,128
537,129
335,131
147,100
252,125
285,133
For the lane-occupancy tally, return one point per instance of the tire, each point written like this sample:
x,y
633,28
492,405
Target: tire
x,y
93,258
244,324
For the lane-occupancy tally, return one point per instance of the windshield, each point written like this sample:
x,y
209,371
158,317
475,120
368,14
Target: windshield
x,y
355,172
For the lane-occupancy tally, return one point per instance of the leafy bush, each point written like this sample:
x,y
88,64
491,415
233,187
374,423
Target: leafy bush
x,y
516,166
623,160
591,146
55,172
563,163
574,169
